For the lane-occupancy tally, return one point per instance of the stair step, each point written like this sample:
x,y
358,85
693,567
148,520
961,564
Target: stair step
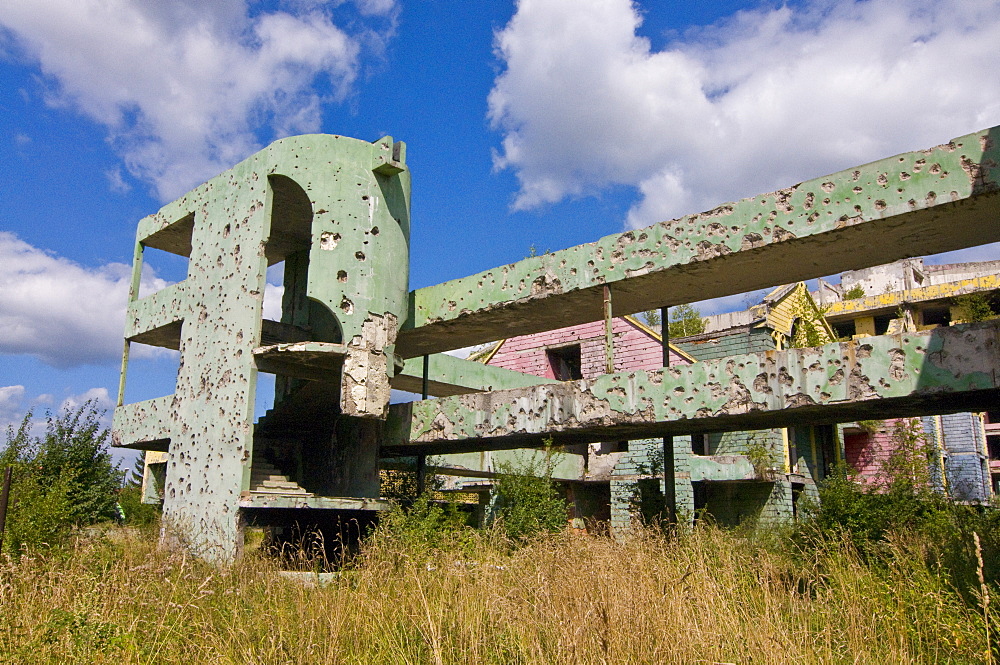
x,y
274,475
278,483
281,492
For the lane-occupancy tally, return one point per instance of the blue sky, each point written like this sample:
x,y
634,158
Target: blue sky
x,y
542,122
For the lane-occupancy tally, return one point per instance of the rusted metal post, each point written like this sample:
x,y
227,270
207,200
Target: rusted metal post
x,y
665,335
4,497
609,342
669,478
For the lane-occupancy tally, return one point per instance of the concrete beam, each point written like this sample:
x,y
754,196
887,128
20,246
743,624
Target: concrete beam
x,y
938,371
448,375
927,201
892,301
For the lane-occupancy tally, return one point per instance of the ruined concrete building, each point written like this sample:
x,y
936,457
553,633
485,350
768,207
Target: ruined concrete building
x,y
336,212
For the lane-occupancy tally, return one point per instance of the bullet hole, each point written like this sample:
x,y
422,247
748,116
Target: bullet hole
x,y
374,230
341,275
360,256
347,306
328,240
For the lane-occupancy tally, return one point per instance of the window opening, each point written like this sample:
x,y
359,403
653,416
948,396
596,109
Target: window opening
x,y
936,316
565,363
993,446
151,372
166,256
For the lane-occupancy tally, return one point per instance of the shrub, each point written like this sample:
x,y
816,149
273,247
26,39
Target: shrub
x,y
974,307
136,512
856,291
62,479
423,526
528,502
903,509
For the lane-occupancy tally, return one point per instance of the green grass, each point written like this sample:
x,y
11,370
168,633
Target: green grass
x,y
706,596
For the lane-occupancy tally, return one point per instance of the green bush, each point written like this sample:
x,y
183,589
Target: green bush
x,y
528,502
856,291
903,509
61,479
38,514
974,307
423,526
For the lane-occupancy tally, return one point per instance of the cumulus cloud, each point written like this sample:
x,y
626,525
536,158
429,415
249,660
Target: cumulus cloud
x,y
759,101
273,294
184,86
61,312
97,396
66,314
11,400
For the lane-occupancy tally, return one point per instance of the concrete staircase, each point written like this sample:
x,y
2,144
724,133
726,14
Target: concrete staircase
x,y
313,406
265,478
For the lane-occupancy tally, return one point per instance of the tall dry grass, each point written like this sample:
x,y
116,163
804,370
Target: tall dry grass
x,y
708,596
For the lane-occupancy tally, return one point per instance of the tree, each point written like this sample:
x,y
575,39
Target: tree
x,y
62,478
685,321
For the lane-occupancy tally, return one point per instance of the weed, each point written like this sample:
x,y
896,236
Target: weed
x,y
528,502
974,307
856,291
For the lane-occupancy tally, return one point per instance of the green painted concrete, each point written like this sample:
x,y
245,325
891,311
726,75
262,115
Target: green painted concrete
x,y
819,227
449,375
336,209
946,369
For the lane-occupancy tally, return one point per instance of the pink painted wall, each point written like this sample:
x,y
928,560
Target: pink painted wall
x,y
633,349
867,453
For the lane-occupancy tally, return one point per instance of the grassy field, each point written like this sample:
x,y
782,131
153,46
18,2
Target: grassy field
x,y
706,597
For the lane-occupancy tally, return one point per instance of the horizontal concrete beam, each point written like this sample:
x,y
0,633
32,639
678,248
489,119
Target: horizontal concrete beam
x,y
850,309
277,501
927,201
938,371
143,425
448,375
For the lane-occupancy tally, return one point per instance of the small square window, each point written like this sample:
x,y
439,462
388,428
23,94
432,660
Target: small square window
x,y
565,363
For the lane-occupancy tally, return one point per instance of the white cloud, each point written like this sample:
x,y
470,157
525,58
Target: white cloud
x,y
61,312
11,399
116,181
66,314
183,86
760,101
98,396
272,301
